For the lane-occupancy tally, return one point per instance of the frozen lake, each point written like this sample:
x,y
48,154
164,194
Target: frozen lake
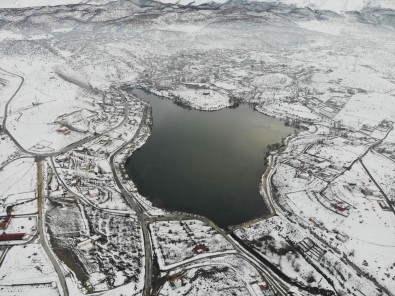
x,y
207,163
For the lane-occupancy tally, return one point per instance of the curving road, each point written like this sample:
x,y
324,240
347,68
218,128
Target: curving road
x,y
40,222
6,110
41,230
144,219
277,284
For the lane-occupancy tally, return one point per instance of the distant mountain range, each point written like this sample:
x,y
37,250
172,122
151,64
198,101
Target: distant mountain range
x,y
338,6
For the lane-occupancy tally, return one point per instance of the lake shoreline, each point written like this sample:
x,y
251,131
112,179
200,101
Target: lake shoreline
x,y
246,108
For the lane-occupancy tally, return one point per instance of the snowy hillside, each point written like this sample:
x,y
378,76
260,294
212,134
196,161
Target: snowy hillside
x,y
33,3
342,5
333,5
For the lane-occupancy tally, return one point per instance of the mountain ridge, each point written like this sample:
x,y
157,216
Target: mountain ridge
x,y
337,6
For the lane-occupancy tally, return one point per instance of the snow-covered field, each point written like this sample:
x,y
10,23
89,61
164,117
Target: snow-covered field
x,y
9,84
334,5
9,150
328,196
38,3
268,237
229,275
175,241
18,184
202,99
31,262
359,110
331,72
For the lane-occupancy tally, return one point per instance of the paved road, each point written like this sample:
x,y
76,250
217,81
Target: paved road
x,y
370,175
3,255
274,281
143,218
40,222
378,186
64,149
268,182
41,229
266,178
6,110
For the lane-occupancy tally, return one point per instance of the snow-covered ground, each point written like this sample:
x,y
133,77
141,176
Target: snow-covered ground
x,y
333,74
36,3
9,150
328,202
202,99
9,84
268,237
333,5
228,275
31,262
175,242
18,185
43,97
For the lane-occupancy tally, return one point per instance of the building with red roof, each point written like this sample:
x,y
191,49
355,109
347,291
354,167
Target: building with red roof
x,y
201,248
6,220
11,236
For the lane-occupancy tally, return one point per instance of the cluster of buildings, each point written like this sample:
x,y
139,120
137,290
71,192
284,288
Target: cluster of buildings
x,y
63,130
175,241
332,156
107,111
311,249
328,109
84,174
109,248
115,246
261,288
9,236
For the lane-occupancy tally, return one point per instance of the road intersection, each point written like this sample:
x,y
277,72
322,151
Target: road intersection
x,y
279,286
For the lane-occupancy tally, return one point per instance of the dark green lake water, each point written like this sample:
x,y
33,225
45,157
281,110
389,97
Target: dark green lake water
x,y
207,163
